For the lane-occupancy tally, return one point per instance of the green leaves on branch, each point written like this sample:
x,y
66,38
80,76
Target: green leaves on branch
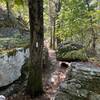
x,y
74,19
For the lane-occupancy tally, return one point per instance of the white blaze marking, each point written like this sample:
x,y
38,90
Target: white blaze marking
x,y
37,45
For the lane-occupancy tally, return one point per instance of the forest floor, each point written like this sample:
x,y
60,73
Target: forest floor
x,y
52,77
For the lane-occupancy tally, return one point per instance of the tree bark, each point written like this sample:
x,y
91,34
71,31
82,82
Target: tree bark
x,y
54,31
34,86
8,8
92,29
50,23
54,8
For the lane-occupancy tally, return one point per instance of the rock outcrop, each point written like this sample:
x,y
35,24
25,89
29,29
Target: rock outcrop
x,y
11,25
83,84
11,64
71,52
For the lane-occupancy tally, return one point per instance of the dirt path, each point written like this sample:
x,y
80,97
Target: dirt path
x,y
52,78
57,75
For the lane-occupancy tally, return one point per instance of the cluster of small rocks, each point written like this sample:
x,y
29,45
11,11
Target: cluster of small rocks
x,y
83,84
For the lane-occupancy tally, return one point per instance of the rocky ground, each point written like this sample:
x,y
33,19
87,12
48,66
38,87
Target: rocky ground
x,y
52,77
83,83
59,81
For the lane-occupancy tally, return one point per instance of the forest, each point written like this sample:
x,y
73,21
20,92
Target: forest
x,y
49,49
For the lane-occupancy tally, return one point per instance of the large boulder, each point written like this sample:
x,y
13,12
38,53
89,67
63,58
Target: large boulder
x,y
11,64
71,52
12,24
6,21
84,83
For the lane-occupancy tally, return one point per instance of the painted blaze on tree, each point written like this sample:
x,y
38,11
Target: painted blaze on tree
x,y
34,87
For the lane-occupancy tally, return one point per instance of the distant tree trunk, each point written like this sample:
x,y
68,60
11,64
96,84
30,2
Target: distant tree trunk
x,y
54,31
54,8
58,41
92,29
51,38
93,35
8,8
50,32
34,86
93,39
50,23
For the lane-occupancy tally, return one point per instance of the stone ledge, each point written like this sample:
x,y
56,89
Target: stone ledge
x,y
84,83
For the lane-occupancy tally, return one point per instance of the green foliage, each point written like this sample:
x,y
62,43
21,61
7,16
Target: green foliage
x,y
19,2
17,7
74,20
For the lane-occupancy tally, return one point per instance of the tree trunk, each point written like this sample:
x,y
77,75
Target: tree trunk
x,y
8,8
52,20
50,23
54,30
51,37
92,29
34,86
93,39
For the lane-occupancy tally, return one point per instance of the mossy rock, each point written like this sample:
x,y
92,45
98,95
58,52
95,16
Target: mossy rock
x,y
69,46
72,53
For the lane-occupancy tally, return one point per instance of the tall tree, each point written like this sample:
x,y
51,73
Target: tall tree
x,y
8,8
34,87
50,23
92,21
54,8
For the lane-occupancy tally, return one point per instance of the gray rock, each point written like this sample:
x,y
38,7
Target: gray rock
x,y
2,97
94,96
73,87
11,64
84,83
88,74
8,31
66,96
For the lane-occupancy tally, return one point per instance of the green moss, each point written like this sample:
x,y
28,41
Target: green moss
x,y
75,55
12,53
34,87
12,42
